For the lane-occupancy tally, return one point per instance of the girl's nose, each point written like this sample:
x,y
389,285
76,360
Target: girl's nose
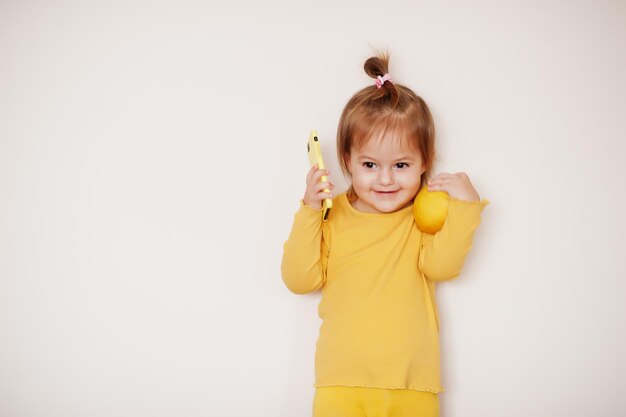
x,y
385,177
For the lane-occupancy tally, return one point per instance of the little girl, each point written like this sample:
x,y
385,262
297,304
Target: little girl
x,y
378,347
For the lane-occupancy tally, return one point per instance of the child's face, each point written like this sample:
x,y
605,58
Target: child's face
x,y
385,175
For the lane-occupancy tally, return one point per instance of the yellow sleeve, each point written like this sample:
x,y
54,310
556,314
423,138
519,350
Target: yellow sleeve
x,y
442,255
305,253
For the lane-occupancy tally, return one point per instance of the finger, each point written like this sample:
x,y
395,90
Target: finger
x,y
443,179
437,186
320,173
312,171
323,194
458,176
323,185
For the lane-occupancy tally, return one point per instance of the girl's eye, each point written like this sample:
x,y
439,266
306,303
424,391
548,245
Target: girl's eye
x,y
399,164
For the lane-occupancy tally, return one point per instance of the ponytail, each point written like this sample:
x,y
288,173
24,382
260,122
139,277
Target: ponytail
x,y
376,67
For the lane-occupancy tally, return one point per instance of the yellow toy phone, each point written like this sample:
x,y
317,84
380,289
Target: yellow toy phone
x,y
315,157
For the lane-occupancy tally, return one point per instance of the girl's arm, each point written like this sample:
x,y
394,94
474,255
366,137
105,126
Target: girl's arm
x,y
442,255
305,253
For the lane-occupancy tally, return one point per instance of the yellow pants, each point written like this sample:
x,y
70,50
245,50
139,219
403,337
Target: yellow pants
x,y
340,401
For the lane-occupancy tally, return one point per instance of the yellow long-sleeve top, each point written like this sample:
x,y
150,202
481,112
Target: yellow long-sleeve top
x,y
377,273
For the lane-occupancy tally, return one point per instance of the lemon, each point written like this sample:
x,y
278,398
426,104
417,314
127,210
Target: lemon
x,y
430,209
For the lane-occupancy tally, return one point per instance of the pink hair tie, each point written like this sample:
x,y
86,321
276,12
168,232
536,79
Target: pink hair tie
x,y
381,80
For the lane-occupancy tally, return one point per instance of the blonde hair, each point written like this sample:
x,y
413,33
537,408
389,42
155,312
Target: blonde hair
x,y
372,112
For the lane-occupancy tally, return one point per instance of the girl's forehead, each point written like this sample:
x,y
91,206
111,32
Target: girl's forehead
x,y
386,145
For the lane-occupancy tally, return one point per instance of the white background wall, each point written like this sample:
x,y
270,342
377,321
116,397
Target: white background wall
x,y
152,155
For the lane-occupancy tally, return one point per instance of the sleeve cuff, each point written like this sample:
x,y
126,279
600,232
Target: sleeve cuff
x,y
483,203
308,212
303,205
465,212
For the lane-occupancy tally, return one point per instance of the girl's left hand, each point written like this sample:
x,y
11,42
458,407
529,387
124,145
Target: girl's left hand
x,y
458,186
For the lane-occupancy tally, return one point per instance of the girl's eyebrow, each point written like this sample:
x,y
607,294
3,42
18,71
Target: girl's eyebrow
x,y
403,158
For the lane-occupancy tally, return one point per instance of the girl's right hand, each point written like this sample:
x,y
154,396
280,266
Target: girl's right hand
x,y
314,194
